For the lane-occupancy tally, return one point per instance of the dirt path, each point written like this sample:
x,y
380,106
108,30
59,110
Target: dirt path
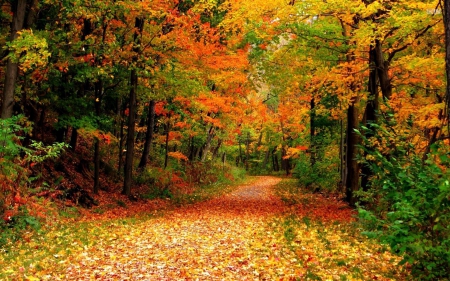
x,y
213,240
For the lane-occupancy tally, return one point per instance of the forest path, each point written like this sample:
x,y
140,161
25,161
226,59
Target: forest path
x,y
212,240
269,229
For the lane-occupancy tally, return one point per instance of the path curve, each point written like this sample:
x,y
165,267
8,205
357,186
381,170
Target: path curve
x,y
212,240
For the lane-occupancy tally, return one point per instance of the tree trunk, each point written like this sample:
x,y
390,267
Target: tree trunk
x,y
247,152
275,165
166,153
19,11
240,153
446,14
342,153
148,134
383,67
215,151
129,156
370,114
121,138
73,139
352,183
266,158
98,97
312,129
128,169
207,146
285,162
191,149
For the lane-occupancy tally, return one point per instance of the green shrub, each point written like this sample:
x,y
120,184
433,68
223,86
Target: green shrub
x,y
15,161
408,204
12,228
323,175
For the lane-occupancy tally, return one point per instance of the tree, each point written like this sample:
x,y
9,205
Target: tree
x,y
24,12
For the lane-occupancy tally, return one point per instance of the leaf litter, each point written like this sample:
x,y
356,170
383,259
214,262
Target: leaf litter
x,y
248,234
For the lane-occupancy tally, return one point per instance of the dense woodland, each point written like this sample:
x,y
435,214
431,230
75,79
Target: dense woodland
x,y
350,97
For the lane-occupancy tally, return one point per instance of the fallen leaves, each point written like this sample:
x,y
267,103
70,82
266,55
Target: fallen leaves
x,y
248,234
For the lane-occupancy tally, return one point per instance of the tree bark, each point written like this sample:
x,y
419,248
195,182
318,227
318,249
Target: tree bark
x,y
98,96
247,151
73,139
207,146
215,151
121,138
446,14
128,169
370,113
12,68
239,159
275,164
148,134
352,183
166,152
129,156
312,117
382,67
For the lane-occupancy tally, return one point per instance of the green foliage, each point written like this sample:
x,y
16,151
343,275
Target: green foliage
x,y
30,50
14,174
323,175
11,132
237,174
13,230
408,204
41,152
158,182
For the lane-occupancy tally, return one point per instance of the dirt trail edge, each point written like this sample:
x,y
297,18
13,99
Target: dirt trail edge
x,y
213,240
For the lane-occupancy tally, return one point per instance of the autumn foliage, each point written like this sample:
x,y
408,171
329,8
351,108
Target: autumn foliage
x,y
151,99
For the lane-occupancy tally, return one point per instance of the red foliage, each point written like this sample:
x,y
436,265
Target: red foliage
x,y
160,110
9,215
302,147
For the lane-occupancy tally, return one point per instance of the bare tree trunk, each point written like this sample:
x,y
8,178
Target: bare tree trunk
x,y
352,184
266,158
121,138
166,153
446,14
239,159
73,139
129,156
285,163
98,97
128,169
215,151
370,113
207,146
383,67
342,153
312,129
247,152
148,134
275,165
12,68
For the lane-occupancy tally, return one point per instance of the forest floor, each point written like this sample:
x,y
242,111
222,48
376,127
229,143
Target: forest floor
x,y
267,229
